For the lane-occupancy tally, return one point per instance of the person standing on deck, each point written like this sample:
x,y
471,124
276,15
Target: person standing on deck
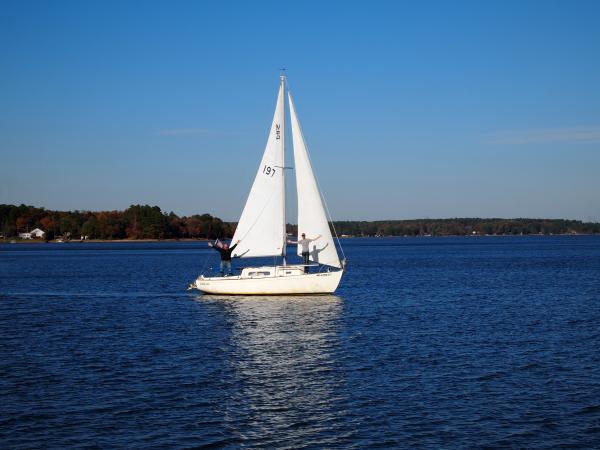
x,y
304,242
225,252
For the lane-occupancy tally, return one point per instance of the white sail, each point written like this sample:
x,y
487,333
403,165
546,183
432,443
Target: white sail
x,y
311,214
261,228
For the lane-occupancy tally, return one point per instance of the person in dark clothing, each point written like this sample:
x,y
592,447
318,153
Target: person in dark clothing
x,y
225,252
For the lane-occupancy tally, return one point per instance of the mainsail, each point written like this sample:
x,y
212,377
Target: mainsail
x,y
311,214
261,227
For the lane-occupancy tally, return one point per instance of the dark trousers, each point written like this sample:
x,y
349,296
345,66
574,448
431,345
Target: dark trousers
x,y
225,265
305,256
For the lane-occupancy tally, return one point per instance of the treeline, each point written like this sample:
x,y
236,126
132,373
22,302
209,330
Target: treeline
x,y
465,226
149,222
136,222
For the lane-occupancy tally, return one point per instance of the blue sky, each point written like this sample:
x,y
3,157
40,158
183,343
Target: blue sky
x,y
410,109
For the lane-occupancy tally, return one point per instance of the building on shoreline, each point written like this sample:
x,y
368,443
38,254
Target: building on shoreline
x,y
33,234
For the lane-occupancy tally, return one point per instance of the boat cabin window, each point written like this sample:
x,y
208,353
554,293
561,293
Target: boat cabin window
x,y
253,274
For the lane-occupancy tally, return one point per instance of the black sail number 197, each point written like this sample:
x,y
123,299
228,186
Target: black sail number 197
x,y
269,171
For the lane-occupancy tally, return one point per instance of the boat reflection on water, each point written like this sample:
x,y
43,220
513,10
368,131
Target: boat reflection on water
x,y
284,355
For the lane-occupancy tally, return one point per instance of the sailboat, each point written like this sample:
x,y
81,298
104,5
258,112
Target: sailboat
x,y
261,229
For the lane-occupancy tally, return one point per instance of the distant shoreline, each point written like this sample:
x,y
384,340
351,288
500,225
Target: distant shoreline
x,y
141,241
97,241
145,223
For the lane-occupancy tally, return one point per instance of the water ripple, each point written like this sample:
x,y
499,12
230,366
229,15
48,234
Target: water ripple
x,y
438,343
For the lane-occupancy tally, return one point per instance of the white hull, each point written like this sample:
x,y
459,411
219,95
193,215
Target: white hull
x,y
286,281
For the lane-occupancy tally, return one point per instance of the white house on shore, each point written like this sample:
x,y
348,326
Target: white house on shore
x,y
37,233
33,234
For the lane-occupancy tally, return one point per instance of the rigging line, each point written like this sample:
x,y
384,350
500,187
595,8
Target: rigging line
x,y
206,260
330,218
317,180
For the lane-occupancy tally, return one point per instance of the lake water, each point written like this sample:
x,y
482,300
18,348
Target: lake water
x,y
429,342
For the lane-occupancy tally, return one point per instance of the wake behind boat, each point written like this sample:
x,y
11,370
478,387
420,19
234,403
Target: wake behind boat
x,y
261,230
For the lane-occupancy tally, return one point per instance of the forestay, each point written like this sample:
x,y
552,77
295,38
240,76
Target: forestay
x,y
311,214
261,227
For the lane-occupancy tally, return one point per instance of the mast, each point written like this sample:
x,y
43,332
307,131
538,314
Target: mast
x,y
284,245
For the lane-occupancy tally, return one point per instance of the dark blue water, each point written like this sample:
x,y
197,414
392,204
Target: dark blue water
x,y
429,342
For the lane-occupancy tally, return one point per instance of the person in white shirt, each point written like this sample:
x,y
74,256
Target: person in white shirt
x,y
305,243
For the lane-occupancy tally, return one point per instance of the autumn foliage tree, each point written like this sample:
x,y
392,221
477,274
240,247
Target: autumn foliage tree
x,y
149,222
